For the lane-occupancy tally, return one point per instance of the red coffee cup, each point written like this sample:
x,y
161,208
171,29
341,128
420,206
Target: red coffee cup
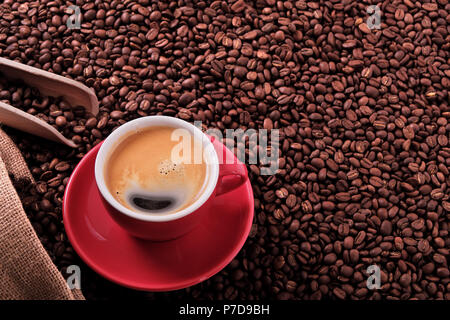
x,y
220,178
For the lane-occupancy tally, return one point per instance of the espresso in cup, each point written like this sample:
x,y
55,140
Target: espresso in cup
x,y
154,172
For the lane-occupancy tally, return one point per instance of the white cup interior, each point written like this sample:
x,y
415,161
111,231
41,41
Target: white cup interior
x,y
134,126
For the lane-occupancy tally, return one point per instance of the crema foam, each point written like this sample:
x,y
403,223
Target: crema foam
x,y
143,175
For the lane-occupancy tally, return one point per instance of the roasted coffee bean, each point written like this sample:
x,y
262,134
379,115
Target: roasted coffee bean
x,y
362,114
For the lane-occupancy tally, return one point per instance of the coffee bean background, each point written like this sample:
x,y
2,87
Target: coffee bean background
x,y
363,117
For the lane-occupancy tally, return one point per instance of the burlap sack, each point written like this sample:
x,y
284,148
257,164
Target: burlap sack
x,y
26,270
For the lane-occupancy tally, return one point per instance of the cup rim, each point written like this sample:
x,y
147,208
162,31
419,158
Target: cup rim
x,y
148,122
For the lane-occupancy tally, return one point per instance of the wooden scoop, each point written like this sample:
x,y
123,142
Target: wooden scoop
x,y
48,84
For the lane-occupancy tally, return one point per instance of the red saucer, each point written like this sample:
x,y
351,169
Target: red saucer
x,y
146,265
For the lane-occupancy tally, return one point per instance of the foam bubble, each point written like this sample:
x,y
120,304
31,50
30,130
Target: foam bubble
x,y
167,167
